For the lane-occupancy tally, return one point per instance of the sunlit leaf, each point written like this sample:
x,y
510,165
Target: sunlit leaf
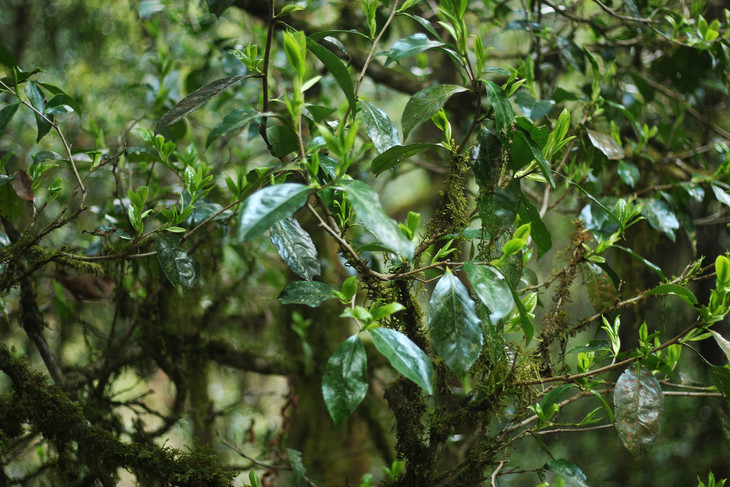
x,y
491,289
179,268
295,247
267,206
308,293
405,357
455,328
410,46
380,129
424,104
639,405
345,382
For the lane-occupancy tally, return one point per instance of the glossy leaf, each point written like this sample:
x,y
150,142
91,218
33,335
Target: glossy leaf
x,y
532,108
338,70
676,290
179,268
639,405
568,471
721,195
455,328
410,46
660,216
236,120
503,112
424,104
601,291
628,173
491,288
397,154
267,206
6,115
36,100
283,140
405,357
380,129
606,144
539,232
308,293
196,99
367,206
722,342
295,247
345,381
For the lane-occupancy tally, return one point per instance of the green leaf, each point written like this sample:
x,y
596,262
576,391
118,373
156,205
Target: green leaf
x,y
6,115
528,328
36,100
424,104
639,404
568,471
269,205
295,247
650,265
722,342
601,291
503,112
491,288
338,70
594,200
539,232
61,103
721,378
47,156
532,108
410,46
283,140
660,216
345,381
217,7
606,144
721,195
676,290
367,206
404,356
397,154
628,173
236,120
196,99
455,328
308,293
380,129
542,163
179,268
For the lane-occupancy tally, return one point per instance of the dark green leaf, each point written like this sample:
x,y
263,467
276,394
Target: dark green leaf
x,y
61,103
236,120
179,268
606,144
338,70
639,404
568,471
498,209
573,54
397,154
601,291
554,396
502,108
196,99
267,206
410,46
318,112
660,216
721,377
424,104
217,7
539,232
650,265
676,290
309,293
295,247
532,108
367,206
455,328
542,163
380,129
628,173
345,381
405,357
283,140
6,115
36,100
491,289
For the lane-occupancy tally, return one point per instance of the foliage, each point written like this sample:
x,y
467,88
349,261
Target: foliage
x,y
445,326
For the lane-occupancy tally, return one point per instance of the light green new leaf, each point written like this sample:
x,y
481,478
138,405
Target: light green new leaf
x,y
455,328
267,206
410,46
380,128
492,290
338,70
424,104
367,206
676,290
345,381
503,112
405,357
397,154
295,247
308,293
568,471
639,405
179,268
